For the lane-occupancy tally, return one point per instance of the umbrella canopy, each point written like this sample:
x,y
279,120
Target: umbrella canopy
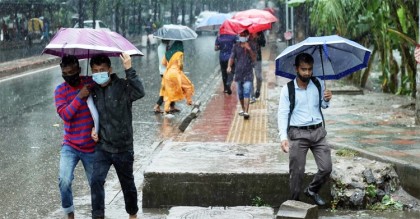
x,y
175,32
257,24
86,42
256,13
334,57
212,22
234,27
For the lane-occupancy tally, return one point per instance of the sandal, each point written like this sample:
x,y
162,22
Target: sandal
x,y
241,113
246,116
174,110
156,109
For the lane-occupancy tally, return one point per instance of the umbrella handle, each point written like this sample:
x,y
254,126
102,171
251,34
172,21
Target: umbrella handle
x,y
322,64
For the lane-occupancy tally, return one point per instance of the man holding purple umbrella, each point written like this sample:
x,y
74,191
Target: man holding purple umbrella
x,y
113,98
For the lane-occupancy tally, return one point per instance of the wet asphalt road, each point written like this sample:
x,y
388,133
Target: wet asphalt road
x,y
31,131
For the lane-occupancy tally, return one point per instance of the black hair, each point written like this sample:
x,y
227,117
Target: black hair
x,y
100,59
304,57
245,32
69,60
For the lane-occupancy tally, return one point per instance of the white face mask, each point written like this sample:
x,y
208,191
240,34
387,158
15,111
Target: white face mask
x,y
100,77
243,39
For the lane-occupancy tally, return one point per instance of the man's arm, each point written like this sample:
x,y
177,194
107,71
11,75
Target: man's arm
x,y
134,82
251,51
67,111
283,118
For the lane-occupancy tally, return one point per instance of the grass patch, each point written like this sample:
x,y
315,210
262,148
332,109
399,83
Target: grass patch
x,y
344,152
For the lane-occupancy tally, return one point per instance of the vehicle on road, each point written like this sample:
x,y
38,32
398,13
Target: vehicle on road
x,y
89,24
200,18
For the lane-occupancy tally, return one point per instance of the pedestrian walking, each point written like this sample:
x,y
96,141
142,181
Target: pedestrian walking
x,y
259,41
173,47
161,50
70,102
224,44
300,122
113,97
243,56
175,84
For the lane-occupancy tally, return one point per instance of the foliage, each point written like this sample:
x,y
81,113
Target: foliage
x,y
387,203
371,191
344,152
369,23
258,202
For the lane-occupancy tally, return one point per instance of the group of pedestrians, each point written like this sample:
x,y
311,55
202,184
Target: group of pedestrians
x,y
97,115
108,143
300,120
239,58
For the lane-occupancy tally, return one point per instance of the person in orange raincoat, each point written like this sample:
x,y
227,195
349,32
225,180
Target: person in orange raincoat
x,y
175,84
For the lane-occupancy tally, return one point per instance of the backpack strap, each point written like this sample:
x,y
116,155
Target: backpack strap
x,y
318,85
291,88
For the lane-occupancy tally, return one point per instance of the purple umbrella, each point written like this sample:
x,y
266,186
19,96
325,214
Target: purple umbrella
x,y
85,43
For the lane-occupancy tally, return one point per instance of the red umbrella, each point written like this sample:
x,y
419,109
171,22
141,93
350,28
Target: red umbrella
x,y
258,24
256,13
233,27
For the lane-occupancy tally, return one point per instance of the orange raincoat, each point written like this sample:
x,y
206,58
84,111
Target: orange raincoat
x,y
175,84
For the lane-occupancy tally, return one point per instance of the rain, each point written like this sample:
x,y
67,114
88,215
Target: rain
x,y
31,132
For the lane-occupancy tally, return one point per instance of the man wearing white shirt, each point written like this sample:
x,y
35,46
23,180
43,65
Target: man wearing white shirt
x,y
303,129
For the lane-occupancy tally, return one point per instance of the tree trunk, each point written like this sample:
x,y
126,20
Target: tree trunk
x,y
366,73
80,11
139,20
117,16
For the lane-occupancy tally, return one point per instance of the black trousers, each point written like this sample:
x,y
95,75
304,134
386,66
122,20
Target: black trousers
x,y
227,78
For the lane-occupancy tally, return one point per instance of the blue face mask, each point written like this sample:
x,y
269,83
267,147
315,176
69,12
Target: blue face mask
x,y
243,39
100,77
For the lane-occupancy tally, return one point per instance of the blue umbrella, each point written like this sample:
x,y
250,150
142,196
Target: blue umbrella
x,y
334,57
213,22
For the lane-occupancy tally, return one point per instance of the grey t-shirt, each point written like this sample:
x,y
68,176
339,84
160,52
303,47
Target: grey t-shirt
x,y
243,63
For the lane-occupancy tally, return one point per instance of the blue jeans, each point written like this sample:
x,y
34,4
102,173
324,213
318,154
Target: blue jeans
x,y
123,164
244,89
68,161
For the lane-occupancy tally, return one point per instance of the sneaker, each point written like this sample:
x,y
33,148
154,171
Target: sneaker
x,y
257,94
253,100
241,113
246,116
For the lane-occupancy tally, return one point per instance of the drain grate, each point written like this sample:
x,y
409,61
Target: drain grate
x,y
216,213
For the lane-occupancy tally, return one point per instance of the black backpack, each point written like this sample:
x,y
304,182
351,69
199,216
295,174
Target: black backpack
x,y
291,88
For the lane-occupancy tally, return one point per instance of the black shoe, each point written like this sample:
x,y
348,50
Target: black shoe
x,y
314,196
257,94
229,91
246,116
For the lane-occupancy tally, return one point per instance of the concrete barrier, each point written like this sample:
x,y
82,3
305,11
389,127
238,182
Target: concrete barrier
x,y
295,209
220,174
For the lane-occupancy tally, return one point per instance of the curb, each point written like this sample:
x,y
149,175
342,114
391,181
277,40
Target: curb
x,y
25,67
201,100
